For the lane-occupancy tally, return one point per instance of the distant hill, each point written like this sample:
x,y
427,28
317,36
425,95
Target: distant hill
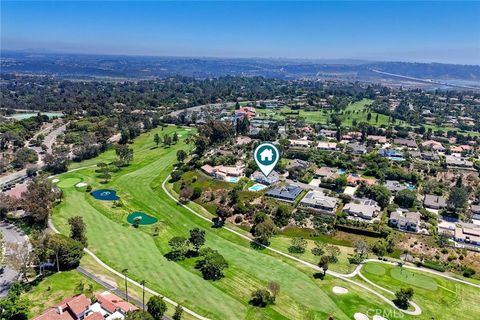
x,y
94,66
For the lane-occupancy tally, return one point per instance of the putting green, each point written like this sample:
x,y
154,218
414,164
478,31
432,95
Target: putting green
x,y
144,218
374,269
68,182
414,279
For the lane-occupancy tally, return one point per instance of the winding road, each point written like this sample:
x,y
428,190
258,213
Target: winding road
x,y
346,277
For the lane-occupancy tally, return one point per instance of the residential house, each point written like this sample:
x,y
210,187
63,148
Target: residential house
x,y
357,148
377,139
425,156
246,112
408,143
434,202
259,177
107,306
455,161
73,308
285,193
327,173
434,145
326,146
390,153
111,306
409,221
318,201
297,164
475,209
394,185
224,172
303,143
363,208
328,133
467,233
354,179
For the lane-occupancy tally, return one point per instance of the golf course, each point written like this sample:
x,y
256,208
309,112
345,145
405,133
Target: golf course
x,y
142,250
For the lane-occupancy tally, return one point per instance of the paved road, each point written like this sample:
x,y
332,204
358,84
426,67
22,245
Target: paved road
x,y
11,234
48,141
52,137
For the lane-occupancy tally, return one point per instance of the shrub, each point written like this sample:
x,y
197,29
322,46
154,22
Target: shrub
x,y
433,265
261,298
468,272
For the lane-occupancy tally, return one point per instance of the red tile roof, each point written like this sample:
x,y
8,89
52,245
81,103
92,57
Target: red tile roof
x,y
79,304
110,301
70,308
94,316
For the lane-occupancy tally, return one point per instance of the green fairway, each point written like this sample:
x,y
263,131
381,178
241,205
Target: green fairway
x,y
376,269
68,182
414,279
438,297
122,246
356,111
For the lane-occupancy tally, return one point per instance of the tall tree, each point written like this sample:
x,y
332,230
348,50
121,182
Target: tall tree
x,y
77,229
197,238
157,139
124,153
178,312
38,200
156,307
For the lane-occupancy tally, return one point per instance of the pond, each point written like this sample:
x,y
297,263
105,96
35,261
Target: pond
x,y
141,217
105,194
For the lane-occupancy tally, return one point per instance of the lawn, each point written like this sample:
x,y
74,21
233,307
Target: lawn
x,y
54,289
438,297
122,246
357,111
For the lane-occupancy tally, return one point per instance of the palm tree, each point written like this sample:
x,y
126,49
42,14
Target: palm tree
x,y
124,272
143,294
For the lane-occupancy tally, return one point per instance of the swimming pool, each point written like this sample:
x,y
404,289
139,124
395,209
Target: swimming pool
x,y
257,187
410,186
394,158
341,171
232,179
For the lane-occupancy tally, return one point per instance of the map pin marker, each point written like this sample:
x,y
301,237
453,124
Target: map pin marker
x,y
266,156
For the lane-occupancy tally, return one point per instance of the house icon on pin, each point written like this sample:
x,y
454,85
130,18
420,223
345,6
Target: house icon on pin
x,y
266,155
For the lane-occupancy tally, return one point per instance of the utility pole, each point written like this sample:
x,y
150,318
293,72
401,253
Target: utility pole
x,y
124,271
143,294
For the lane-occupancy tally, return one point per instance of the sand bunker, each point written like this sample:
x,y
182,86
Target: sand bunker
x,y
81,184
377,317
339,290
360,316
55,180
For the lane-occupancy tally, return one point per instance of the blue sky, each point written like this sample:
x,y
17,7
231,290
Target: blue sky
x,y
408,31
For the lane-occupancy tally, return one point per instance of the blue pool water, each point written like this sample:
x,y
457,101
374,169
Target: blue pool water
x,y
410,186
105,194
232,179
396,158
257,187
341,171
